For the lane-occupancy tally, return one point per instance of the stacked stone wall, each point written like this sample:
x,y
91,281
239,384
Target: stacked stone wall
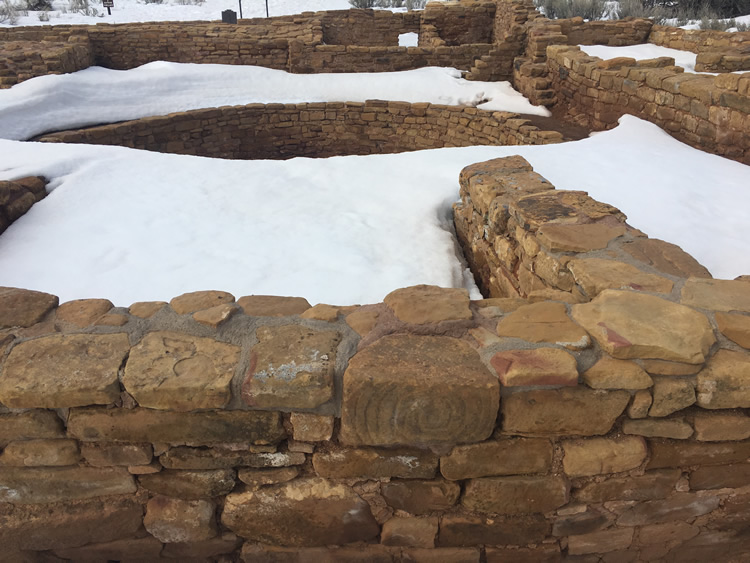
x,y
697,40
367,27
428,427
457,23
21,60
259,131
17,197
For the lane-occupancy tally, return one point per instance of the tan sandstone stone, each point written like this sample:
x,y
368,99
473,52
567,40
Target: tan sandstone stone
x,y
602,455
322,312
579,238
35,485
224,458
104,454
631,325
595,275
680,506
132,549
420,496
604,541
641,403
544,553
671,395
174,371
541,366
662,367
735,327
199,300
291,367
375,463
112,319
675,428
668,453
725,381
410,532
64,371
189,484
717,295
651,485
421,304
720,477
390,383
609,373
665,257
226,544
41,452
471,530
664,533
172,520
311,427
83,312
515,495
28,425
259,477
362,322
513,456
305,512
445,555
217,315
146,309
721,426
23,307
546,321
272,305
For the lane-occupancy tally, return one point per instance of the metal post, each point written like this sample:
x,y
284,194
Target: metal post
x,y
240,9
266,8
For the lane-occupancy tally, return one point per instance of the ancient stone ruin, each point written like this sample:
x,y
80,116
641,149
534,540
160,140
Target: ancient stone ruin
x,y
592,408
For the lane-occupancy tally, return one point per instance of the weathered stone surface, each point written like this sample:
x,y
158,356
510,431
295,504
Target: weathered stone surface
x,y
665,533
311,427
291,367
665,257
721,426
585,522
23,307
515,495
42,452
199,429
671,395
725,382
64,371
563,412
679,506
104,455
541,366
111,319
546,321
595,275
304,512
458,530
418,390
172,520
649,486
68,524
375,463
683,454
410,532
256,553
545,553
600,542
675,428
179,372
609,373
82,312
136,549
631,325
558,207
662,367
514,456
578,238
421,497
199,300
421,304
33,424
322,312
216,316
35,485
272,305
639,406
735,327
258,477
146,309
205,549
603,455
362,321
721,476
221,458
188,484
445,555
717,295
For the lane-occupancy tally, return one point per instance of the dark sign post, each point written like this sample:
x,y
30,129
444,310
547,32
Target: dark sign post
x,y
109,4
266,8
240,9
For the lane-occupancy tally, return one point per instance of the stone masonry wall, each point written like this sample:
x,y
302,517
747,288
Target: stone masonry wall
x,y
367,27
17,197
458,23
21,60
315,130
425,428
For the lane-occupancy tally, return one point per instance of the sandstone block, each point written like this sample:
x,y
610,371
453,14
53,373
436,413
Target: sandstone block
x,y
445,555
514,456
720,476
544,553
205,549
178,372
216,316
375,463
649,486
259,477
604,541
199,429
560,207
291,367
41,452
418,390
725,381
410,532
515,495
28,425
272,305
631,325
104,454
586,522
37,485
665,533
422,304
199,301
735,327
675,428
64,371
225,458
135,549
23,307
304,512
603,455
421,497
717,295
546,321
595,275
680,506
671,395
563,412
83,312
662,367
541,366
721,426
639,406
458,530
665,257
578,238
362,322
682,454
146,309
309,427
172,520
609,373
191,485
322,312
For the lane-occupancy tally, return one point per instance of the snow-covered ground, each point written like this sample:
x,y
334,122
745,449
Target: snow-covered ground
x,y
99,95
685,59
133,225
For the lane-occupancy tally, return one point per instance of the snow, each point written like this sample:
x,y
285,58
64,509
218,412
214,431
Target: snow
x,y
410,39
132,225
685,59
99,95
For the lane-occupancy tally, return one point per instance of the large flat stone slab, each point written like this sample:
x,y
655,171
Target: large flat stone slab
x,y
541,366
734,326
60,371
35,485
462,530
423,304
665,257
23,307
375,463
421,497
418,390
725,382
546,321
602,455
631,325
717,295
515,495
514,456
579,238
609,373
595,275
179,372
174,520
29,425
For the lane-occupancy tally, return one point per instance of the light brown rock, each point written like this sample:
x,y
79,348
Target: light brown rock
x,y
410,532
596,456
675,428
322,312
388,384
421,497
725,381
105,454
513,456
662,367
547,321
515,495
28,425
471,530
717,295
375,463
631,325
609,373
540,366
671,395
362,322
260,477
191,485
735,327
309,427
665,533
668,453
305,512
721,426
224,458
291,368
199,300
272,305
41,452
641,403
23,307
604,541
561,412
578,238
421,304
595,275
35,485
64,371
146,309
720,477
550,294
665,257
112,319
179,372
651,485
216,316
680,506
172,520
83,312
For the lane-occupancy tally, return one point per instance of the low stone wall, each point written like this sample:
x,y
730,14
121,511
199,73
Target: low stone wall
x,y
367,27
697,40
21,60
708,112
17,197
458,23
729,60
425,428
275,131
